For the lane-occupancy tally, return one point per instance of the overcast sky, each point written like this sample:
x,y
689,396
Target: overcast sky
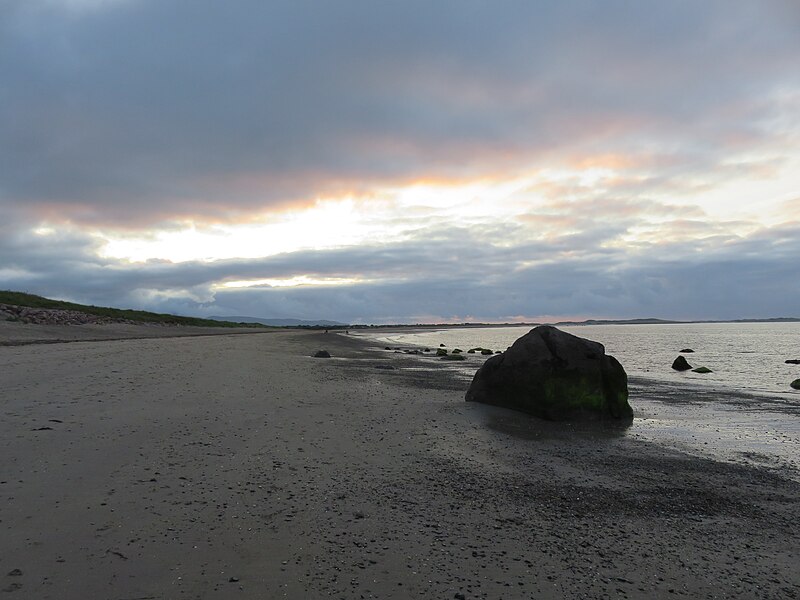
x,y
403,161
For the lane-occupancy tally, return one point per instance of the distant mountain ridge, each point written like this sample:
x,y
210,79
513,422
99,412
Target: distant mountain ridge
x,y
282,322
651,321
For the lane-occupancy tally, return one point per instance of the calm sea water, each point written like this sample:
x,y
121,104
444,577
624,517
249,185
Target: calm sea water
x,y
743,356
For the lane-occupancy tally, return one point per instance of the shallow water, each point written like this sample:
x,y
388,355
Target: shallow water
x,y
743,356
743,412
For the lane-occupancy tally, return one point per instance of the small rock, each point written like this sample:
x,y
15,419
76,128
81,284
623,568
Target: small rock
x,y
233,579
460,596
441,352
795,384
15,573
322,354
702,370
441,346
486,352
681,364
687,350
793,361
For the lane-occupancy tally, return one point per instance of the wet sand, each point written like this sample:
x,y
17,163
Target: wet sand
x,y
236,466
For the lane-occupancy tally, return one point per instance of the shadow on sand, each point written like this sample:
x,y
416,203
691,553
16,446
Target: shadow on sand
x,y
527,427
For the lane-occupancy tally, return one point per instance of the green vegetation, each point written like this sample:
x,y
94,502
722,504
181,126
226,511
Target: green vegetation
x,y
140,316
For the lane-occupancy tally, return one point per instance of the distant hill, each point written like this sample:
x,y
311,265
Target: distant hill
x,y
666,322
282,322
648,321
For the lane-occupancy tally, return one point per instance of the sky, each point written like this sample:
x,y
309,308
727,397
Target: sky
x,y
414,161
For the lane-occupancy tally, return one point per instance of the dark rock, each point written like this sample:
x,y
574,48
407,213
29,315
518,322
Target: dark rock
x,y
486,352
427,350
471,351
793,361
322,354
387,367
441,352
387,348
441,345
702,370
233,579
681,364
453,357
795,384
459,596
687,350
554,375
457,350
15,573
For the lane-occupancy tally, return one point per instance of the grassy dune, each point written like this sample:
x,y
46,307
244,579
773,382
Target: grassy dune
x,y
142,316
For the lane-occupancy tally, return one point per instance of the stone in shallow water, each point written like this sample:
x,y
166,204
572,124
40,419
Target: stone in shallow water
x,y
681,364
795,384
554,375
702,370
322,354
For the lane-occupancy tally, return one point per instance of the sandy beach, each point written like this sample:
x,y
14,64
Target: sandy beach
x,y
236,466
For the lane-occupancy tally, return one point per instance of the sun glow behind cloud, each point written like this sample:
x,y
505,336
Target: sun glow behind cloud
x,y
551,201
291,282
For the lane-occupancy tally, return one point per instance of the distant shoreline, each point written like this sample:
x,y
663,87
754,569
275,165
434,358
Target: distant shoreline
x,y
429,326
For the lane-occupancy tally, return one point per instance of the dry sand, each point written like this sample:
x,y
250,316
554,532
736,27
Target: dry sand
x,y
235,466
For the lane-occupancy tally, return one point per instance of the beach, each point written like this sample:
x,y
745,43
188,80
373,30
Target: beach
x,y
236,466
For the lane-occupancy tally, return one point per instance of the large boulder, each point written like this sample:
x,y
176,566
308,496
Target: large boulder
x,y
556,376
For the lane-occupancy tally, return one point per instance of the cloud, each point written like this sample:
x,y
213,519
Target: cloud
x,y
500,159
456,274
131,113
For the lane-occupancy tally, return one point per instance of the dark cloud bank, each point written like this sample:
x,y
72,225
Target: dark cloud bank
x,y
130,113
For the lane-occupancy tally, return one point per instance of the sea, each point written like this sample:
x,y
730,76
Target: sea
x,y
744,411
742,356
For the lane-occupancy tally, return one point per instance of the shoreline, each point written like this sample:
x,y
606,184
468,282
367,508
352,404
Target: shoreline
x,y
237,466
23,334
727,424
